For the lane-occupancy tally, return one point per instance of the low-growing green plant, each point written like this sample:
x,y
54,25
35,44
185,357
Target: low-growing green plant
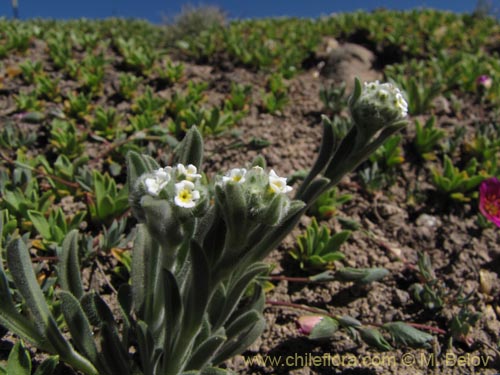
x,y
47,88
19,362
65,138
390,154
199,246
381,169
317,248
327,204
60,48
137,56
427,138
105,122
20,199
169,72
239,98
12,137
77,105
30,70
484,146
419,93
128,85
150,103
143,121
113,236
107,201
459,185
436,296
27,102
334,98
54,227
276,97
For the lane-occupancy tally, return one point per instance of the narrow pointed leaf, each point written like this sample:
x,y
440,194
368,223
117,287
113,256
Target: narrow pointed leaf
x,y
374,338
19,362
325,329
69,268
405,334
78,325
190,150
48,366
206,351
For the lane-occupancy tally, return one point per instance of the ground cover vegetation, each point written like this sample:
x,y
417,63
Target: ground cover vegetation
x,y
401,256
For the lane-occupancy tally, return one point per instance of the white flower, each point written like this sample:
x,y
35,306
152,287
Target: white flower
x,y
235,175
401,104
382,94
188,173
157,181
278,184
185,194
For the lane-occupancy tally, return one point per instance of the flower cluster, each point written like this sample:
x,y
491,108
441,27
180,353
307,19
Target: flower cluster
x,y
275,183
489,200
378,105
184,180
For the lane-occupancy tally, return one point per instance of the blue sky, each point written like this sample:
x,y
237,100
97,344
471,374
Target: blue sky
x,y
155,10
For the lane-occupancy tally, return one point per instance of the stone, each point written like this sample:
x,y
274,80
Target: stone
x,y
348,61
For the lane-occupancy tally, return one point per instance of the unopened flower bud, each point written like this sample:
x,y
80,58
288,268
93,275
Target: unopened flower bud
x,y
378,105
308,322
484,82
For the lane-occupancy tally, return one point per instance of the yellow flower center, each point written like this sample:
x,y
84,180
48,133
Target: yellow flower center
x,y
185,195
492,205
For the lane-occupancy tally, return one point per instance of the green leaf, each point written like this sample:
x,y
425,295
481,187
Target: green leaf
x,y
198,292
19,362
41,224
190,150
361,275
237,289
78,325
335,242
69,268
325,152
173,309
374,338
19,263
139,268
137,165
204,353
324,329
48,366
145,346
405,334
113,353
14,321
244,340
314,189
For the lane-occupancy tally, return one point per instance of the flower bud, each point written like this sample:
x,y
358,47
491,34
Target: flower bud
x,y
484,82
308,322
377,105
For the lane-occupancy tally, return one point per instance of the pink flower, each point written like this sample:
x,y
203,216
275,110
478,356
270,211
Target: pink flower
x,y
308,322
484,82
489,200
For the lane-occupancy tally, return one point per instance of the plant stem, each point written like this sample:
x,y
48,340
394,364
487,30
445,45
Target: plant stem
x,y
323,312
290,279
